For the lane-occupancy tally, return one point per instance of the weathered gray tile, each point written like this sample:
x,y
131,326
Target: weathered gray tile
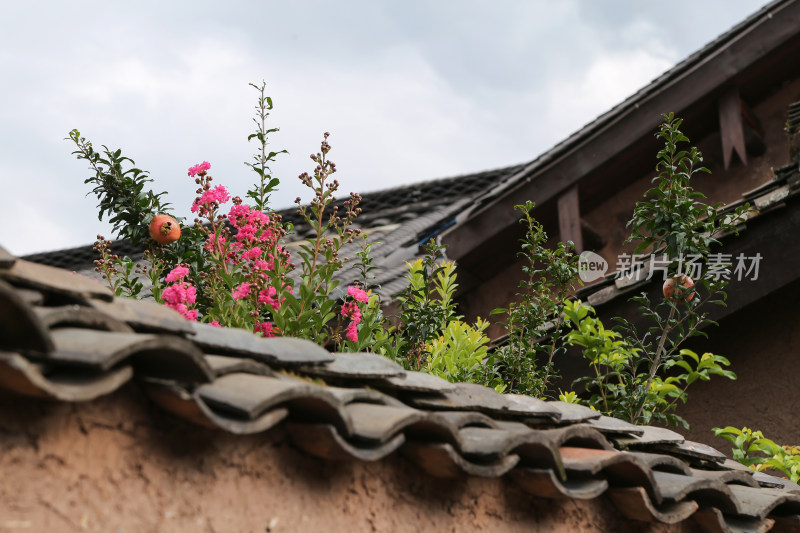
x,y
248,396
677,487
461,419
380,423
652,436
738,477
19,375
30,296
573,413
356,365
223,364
175,399
714,521
322,440
662,462
766,480
487,442
619,468
635,503
20,328
544,483
615,426
692,450
79,316
163,356
760,502
469,396
145,315
281,351
578,435
442,460
417,382
56,280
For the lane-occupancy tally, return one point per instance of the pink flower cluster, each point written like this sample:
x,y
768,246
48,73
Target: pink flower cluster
x,y
353,312
252,245
358,294
266,328
242,291
209,199
177,274
269,296
198,168
254,232
180,295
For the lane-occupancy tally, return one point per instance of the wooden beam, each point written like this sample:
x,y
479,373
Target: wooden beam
x,y
731,126
569,218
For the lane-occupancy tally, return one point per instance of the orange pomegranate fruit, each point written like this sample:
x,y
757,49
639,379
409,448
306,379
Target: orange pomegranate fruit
x,y
682,283
164,229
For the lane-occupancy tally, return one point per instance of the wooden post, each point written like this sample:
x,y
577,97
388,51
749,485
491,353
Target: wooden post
x,y
731,127
569,218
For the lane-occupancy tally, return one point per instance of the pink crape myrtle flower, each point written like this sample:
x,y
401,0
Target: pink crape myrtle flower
x,y
215,324
218,194
266,328
253,227
177,297
177,274
242,291
358,294
179,293
352,332
198,168
238,213
350,310
214,243
268,296
252,253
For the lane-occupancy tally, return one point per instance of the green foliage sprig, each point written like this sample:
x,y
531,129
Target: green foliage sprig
x,y
535,323
120,189
673,220
759,453
621,384
267,184
673,217
427,304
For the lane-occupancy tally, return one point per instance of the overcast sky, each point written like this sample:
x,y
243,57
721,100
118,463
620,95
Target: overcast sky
x,y
409,90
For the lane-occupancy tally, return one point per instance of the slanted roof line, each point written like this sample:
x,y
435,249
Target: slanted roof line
x,y
463,237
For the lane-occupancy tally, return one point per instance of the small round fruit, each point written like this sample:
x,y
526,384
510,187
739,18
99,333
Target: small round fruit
x,y
164,229
684,284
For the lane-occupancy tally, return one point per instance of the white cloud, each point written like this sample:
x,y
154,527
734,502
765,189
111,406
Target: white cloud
x,y
608,81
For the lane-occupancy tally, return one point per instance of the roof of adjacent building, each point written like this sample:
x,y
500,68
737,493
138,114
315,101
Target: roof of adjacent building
x,y
67,338
755,56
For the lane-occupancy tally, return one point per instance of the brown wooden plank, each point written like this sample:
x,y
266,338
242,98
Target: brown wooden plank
x,y
731,127
569,218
